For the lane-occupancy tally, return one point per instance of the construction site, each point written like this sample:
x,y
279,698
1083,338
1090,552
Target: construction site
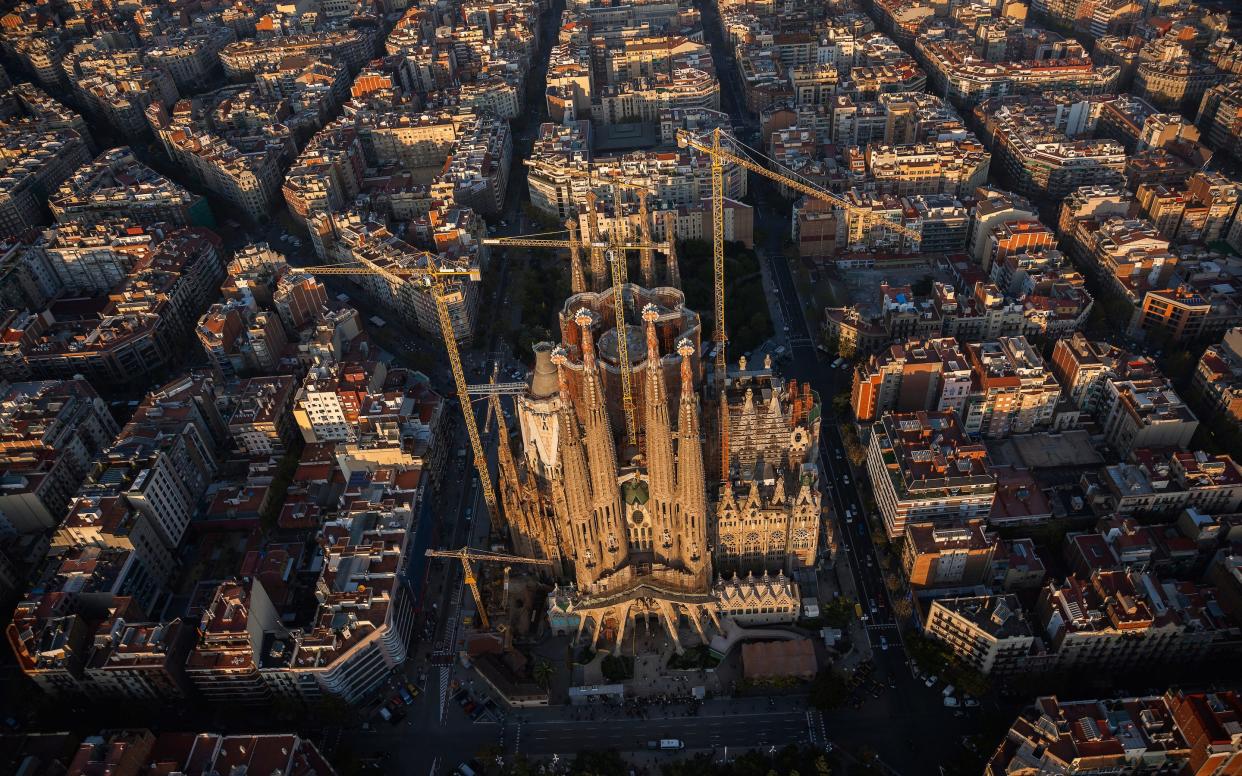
x,y
647,478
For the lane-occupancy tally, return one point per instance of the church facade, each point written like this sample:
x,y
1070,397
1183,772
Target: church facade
x,y
634,528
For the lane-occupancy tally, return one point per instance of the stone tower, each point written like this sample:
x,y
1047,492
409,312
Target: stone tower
x,y
633,529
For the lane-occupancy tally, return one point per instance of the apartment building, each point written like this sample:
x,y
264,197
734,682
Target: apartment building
x,y
246,654
1199,212
1145,412
953,167
101,517
353,237
992,209
559,152
247,174
990,634
1162,482
1045,155
262,423
130,751
942,220
134,331
1189,313
910,376
50,432
326,406
134,660
1015,236
923,470
168,448
1084,210
1130,256
1012,391
952,556
328,174
1218,376
25,107
1170,77
643,99
190,55
50,631
1138,125
1183,732
116,186
1082,367
354,47
476,173
953,70
34,163
117,86
299,299
1217,118
223,665
1121,620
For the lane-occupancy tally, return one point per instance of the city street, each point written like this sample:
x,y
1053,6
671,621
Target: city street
x,y
777,728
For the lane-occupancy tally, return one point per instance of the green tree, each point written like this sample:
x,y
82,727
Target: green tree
x,y
617,669
893,583
832,341
822,768
969,681
542,672
595,762
841,404
828,690
903,608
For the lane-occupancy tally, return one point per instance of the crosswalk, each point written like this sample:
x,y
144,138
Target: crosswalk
x,y
446,649
816,730
444,688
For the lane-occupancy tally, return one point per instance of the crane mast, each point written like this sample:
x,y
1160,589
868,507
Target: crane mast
x,y
434,277
718,296
617,259
466,554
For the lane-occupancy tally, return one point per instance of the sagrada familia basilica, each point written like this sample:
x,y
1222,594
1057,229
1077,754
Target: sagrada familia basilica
x,y
645,526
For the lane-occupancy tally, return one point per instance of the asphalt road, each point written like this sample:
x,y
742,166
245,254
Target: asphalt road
x,y
776,728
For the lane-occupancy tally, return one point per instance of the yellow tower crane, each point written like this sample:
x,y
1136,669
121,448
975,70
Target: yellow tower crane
x,y
577,282
719,154
466,554
614,254
436,278
616,258
589,225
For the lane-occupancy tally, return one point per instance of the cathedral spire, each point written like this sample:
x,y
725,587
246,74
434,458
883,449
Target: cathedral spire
x,y
691,479
601,449
574,487
658,430
510,481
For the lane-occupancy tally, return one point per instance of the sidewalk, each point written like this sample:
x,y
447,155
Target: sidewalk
x,y
713,707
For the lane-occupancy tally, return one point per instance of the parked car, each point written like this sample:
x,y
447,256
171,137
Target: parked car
x,y
950,702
